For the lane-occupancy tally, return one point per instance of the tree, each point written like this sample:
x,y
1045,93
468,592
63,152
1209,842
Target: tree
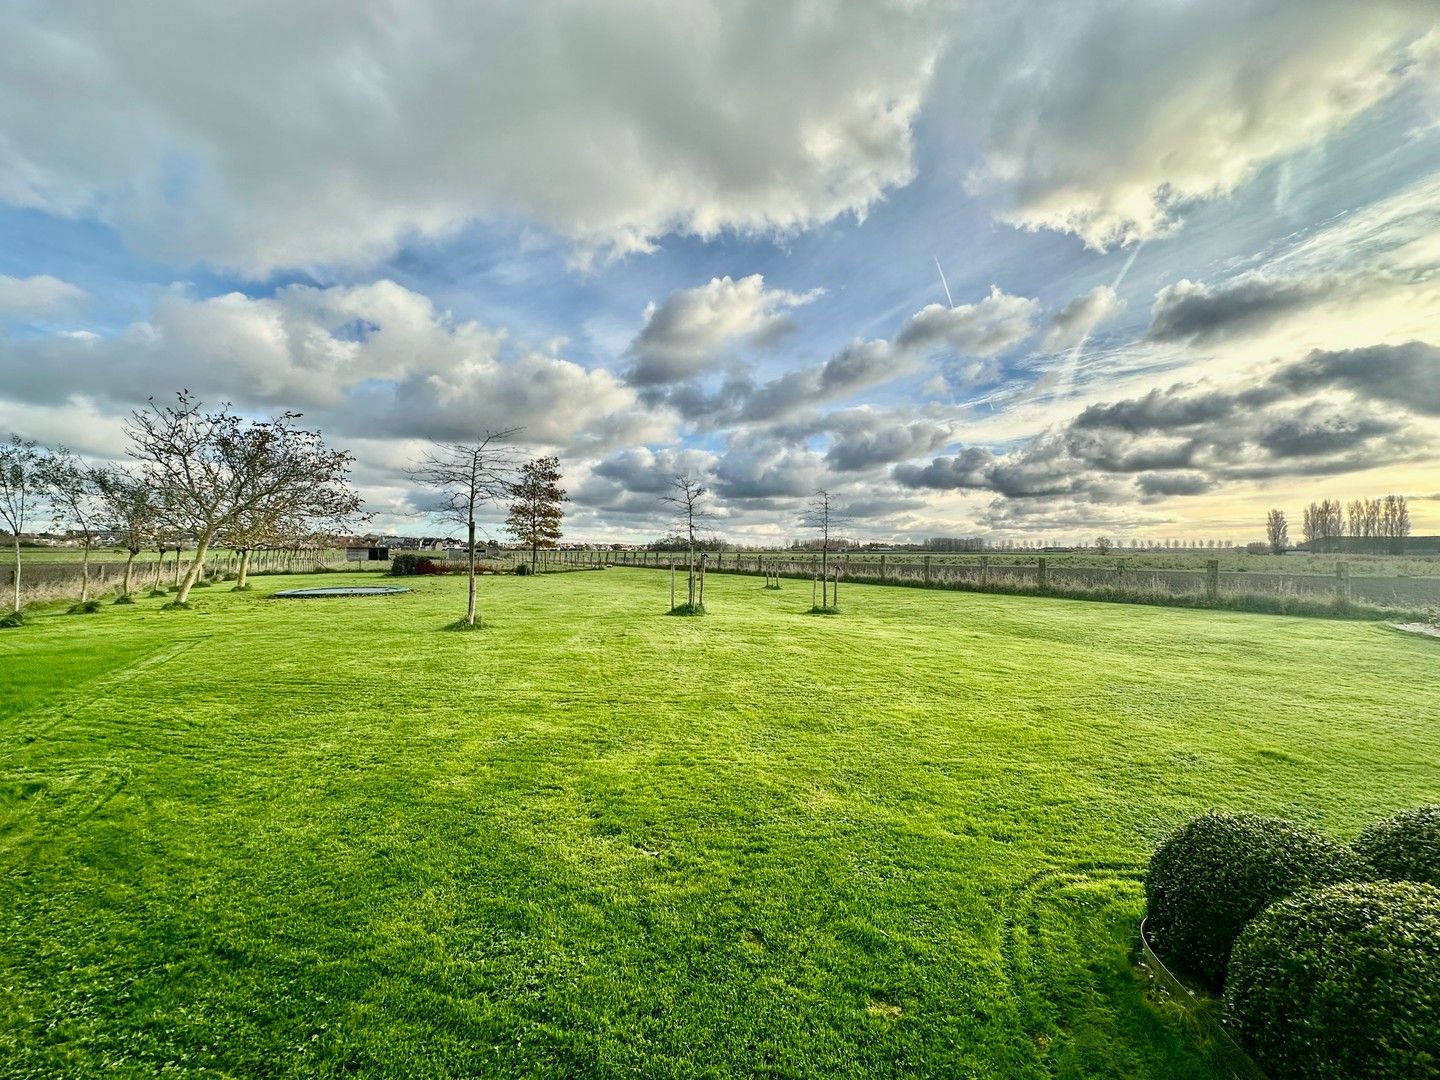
x,y
535,511
209,470
70,488
21,462
467,476
1395,517
687,496
1103,545
1277,532
823,516
1324,524
128,511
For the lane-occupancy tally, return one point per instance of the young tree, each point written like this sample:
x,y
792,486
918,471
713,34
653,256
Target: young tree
x,y
467,476
209,470
127,510
1277,532
687,496
21,462
1103,545
535,509
70,487
823,516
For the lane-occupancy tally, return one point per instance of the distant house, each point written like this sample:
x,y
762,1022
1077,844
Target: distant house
x,y
366,554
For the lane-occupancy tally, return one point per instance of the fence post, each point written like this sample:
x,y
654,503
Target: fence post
x,y
927,569
984,572
1042,574
1342,583
882,568
1212,580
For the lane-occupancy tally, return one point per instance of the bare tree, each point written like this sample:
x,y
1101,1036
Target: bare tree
x,y
209,470
70,487
823,516
1395,517
21,462
1277,532
1103,545
467,476
1324,524
128,511
687,496
536,506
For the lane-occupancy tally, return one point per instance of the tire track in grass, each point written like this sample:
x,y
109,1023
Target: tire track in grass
x,y
77,795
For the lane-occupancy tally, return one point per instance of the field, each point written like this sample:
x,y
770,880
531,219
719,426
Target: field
x,y
329,837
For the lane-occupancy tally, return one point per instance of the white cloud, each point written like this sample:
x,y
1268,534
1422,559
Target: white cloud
x,y
1078,319
1104,121
326,133
985,328
688,332
38,296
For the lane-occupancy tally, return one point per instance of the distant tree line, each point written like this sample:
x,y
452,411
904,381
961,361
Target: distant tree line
x,y
1329,525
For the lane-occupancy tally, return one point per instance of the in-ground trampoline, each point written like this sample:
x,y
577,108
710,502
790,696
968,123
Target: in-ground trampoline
x,y
339,590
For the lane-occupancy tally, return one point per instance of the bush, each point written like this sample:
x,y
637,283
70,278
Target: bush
x,y
87,607
12,619
1213,875
522,569
1404,846
404,565
1342,982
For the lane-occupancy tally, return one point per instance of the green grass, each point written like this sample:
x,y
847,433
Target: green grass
x,y
326,837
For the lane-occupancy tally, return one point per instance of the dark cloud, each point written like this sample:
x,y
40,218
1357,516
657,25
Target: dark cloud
x,y
1189,311
1407,375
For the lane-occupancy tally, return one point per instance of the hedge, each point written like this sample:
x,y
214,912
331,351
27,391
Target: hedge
x,y
1217,872
1342,983
1404,846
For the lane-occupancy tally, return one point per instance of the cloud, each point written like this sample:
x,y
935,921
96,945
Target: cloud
x,y
986,328
1106,120
1197,314
864,438
687,333
1076,321
980,331
368,361
1326,414
325,134
38,296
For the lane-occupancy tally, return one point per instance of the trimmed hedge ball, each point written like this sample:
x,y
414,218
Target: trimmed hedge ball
x,y
1214,874
1342,983
1404,846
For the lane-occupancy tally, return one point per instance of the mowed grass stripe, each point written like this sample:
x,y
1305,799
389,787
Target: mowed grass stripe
x,y
591,839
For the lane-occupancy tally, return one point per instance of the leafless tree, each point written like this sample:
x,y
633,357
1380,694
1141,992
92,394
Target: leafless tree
x,y
21,461
1324,524
467,476
128,511
1103,545
1395,517
687,496
824,517
208,470
70,487
1277,532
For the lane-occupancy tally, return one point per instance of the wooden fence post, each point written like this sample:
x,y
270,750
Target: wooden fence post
x,y
882,568
927,569
1042,574
1212,580
1342,583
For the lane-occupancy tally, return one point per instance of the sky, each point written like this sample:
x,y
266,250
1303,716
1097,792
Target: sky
x,y
1029,271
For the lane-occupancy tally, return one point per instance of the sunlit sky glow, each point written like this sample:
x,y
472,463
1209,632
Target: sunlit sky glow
x,y
1192,249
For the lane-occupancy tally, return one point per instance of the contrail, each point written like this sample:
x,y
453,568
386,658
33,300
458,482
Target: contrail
x,y
948,299
1072,362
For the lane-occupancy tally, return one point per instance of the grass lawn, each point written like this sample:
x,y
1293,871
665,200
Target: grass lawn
x,y
313,838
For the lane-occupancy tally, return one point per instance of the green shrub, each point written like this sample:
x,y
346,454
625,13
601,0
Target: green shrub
x,y
86,607
403,565
11,619
1342,983
124,598
1404,846
522,569
1216,873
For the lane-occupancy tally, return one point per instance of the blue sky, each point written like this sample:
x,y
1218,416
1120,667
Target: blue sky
x,y
1189,250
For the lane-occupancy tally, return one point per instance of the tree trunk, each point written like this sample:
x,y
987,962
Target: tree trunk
x,y
534,555
242,570
85,572
17,569
193,571
470,595
177,567
129,566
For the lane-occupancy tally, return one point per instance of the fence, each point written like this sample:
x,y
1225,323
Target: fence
x,y
1115,578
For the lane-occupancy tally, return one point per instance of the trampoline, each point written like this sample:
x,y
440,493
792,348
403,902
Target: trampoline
x,y
340,590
